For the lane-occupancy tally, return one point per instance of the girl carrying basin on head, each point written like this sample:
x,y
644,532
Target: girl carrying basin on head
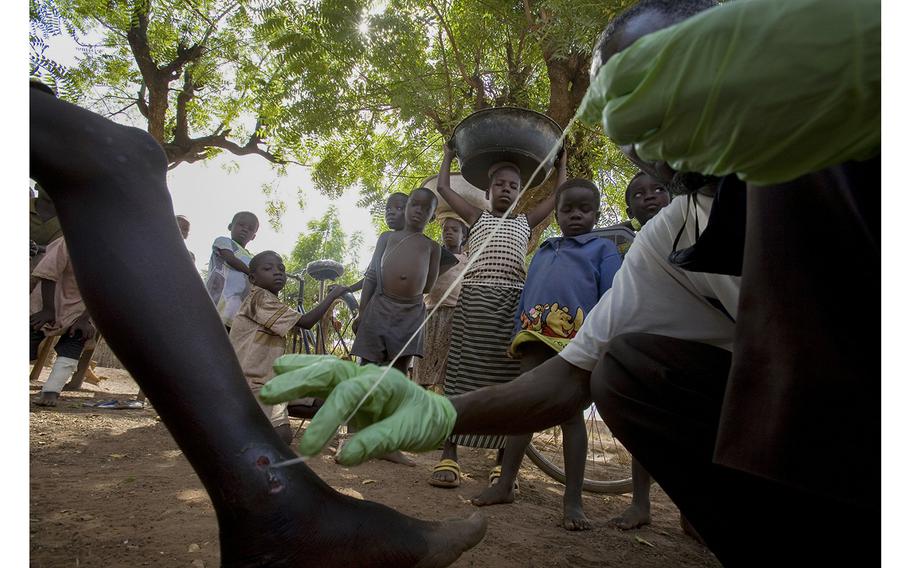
x,y
492,285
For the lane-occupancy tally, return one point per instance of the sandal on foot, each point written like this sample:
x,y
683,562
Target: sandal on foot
x,y
496,473
450,466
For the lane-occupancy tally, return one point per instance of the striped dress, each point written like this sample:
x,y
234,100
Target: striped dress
x,y
485,314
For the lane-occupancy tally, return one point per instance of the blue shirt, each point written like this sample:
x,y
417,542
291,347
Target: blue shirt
x,y
565,280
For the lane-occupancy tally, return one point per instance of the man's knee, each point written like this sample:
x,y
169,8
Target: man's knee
x,y
613,380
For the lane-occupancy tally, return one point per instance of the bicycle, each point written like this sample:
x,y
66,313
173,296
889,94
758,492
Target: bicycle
x,y
337,319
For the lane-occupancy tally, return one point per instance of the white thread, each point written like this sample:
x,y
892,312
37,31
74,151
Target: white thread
x,y
471,260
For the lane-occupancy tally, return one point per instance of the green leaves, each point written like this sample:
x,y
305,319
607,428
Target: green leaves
x,y
362,91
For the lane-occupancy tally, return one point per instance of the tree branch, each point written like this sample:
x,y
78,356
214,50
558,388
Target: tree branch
x,y
181,127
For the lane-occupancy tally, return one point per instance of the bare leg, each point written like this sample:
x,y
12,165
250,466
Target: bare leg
x,y
503,491
575,453
532,355
108,183
638,514
284,432
449,452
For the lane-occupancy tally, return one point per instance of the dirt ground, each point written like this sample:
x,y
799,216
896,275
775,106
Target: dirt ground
x,y
110,488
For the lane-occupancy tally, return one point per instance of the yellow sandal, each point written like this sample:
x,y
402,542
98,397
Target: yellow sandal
x,y
450,466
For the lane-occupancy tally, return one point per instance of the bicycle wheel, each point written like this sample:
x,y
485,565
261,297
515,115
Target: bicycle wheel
x,y
335,326
608,467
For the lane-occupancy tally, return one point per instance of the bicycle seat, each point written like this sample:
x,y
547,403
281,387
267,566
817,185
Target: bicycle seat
x,y
322,270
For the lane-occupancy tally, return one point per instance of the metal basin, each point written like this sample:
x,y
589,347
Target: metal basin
x,y
325,270
509,134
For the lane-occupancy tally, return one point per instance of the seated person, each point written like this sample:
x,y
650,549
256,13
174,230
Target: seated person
x,y
58,310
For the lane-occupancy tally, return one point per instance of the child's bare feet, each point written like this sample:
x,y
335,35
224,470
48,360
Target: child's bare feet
x,y
633,517
574,519
47,399
496,494
399,457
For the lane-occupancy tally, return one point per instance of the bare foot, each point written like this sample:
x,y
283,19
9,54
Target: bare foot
x,y
574,519
447,478
687,528
496,494
633,517
47,399
398,457
292,536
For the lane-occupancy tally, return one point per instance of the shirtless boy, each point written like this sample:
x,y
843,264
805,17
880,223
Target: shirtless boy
x,y
394,219
405,265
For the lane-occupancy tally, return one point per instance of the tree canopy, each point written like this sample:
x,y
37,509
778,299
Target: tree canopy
x,y
363,91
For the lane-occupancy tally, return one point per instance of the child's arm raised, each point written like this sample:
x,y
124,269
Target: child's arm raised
x,y
232,260
433,272
544,208
310,318
465,210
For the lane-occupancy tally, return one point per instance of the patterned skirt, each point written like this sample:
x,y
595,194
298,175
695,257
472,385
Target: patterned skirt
x,y
478,355
430,370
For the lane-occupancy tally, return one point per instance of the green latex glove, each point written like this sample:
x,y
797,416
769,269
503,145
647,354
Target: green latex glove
x,y
398,414
767,89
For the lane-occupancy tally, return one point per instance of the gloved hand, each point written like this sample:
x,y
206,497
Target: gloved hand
x,y
767,89
398,414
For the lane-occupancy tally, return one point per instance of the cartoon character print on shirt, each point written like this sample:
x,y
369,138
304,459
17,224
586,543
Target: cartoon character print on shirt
x,y
553,320
531,320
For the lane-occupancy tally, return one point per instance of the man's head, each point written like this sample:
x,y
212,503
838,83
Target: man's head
x,y
454,233
643,18
505,185
645,197
267,271
243,227
419,210
394,210
577,207
184,225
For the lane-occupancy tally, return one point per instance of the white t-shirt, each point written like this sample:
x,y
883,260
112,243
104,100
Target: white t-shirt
x,y
649,295
227,286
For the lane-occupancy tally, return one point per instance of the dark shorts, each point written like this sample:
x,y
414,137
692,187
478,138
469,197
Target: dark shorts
x,y
386,326
70,347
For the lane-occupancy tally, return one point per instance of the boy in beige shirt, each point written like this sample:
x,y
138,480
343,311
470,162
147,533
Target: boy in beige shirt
x,y
260,327
57,309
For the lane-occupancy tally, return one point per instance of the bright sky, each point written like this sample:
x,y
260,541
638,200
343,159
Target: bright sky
x,y
209,193
209,196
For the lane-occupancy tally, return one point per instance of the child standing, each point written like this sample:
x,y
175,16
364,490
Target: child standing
x,y
404,267
645,197
429,370
57,309
261,324
566,279
228,283
394,219
484,315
